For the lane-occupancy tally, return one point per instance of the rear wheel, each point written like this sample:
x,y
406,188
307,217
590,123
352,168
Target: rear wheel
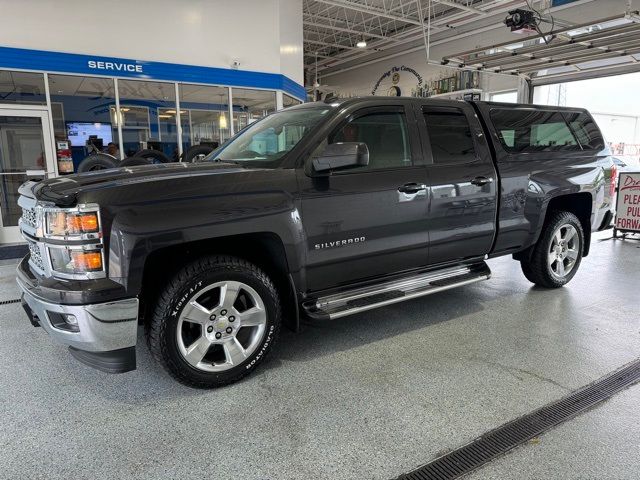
x,y
557,254
215,321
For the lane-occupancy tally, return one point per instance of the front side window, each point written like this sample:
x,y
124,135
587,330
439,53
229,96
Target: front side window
x,y
268,140
386,136
450,136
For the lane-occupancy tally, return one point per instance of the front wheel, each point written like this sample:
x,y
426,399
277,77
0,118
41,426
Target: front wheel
x,y
215,321
557,254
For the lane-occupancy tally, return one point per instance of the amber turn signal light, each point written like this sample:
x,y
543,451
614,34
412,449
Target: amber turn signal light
x,y
87,261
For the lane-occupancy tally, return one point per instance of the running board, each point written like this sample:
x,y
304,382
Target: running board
x,y
395,291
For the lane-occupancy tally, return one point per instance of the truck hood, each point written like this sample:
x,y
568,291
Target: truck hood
x,y
65,190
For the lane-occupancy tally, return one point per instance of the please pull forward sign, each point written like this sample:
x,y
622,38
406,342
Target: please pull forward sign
x,y
628,206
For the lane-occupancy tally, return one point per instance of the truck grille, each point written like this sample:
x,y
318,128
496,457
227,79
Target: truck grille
x,y
29,217
35,256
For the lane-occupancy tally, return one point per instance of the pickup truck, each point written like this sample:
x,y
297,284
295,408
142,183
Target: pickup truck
x,y
318,211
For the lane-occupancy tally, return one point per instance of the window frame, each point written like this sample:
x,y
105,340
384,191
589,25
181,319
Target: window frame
x,y
414,144
423,108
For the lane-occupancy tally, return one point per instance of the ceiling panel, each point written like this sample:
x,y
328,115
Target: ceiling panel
x,y
333,28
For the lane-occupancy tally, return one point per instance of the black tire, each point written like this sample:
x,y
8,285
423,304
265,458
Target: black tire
x,y
156,156
97,161
538,269
135,161
197,150
162,330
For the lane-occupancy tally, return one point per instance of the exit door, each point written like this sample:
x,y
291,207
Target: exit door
x,y
26,151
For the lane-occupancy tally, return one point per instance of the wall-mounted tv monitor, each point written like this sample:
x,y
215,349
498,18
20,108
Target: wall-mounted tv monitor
x,y
79,132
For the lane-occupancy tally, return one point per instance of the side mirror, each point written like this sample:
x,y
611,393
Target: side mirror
x,y
337,156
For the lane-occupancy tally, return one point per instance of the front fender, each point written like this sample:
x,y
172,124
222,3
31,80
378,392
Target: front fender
x,y
139,230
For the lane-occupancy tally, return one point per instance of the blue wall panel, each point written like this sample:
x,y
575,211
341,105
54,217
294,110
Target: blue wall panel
x,y
126,68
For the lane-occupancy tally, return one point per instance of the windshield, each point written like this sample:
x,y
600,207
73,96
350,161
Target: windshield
x,y
268,140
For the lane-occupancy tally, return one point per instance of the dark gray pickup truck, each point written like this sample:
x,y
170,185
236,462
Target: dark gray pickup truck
x,y
320,211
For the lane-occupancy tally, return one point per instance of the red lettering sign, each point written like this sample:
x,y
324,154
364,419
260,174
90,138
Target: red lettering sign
x,y
628,207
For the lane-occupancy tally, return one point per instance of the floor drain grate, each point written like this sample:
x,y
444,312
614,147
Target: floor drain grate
x,y
504,438
7,302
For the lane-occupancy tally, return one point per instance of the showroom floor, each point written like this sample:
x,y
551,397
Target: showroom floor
x,y
370,396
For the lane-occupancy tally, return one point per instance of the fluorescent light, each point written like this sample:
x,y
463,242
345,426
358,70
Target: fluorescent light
x,y
223,120
361,44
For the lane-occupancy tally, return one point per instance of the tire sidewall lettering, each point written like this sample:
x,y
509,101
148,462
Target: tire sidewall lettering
x,y
175,311
263,349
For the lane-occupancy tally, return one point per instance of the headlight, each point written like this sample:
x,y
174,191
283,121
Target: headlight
x,y
78,260
64,223
73,239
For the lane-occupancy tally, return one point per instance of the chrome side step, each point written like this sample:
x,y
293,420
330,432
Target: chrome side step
x,y
387,293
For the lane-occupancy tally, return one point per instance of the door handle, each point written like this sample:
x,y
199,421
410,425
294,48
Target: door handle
x,y
412,187
480,181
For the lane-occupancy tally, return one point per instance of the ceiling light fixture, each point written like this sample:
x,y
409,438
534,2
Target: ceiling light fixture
x,y
223,121
362,43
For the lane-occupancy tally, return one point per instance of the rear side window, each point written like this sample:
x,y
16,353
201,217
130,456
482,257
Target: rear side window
x,y
450,136
585,130
545,131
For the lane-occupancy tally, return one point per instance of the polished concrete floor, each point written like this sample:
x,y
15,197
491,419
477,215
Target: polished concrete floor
x,y
369,396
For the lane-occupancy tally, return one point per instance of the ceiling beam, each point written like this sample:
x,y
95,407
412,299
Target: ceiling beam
x,y
458,19
359,7
333,45
461,6
348,30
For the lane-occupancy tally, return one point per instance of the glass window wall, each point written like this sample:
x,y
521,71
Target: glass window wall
x,y
204,114
83,113
22,87
251,105
85,117
148,114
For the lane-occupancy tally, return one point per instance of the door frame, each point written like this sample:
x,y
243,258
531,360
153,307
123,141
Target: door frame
x,y
11,234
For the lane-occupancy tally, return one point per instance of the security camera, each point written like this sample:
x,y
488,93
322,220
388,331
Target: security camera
x,y
633,16
520,19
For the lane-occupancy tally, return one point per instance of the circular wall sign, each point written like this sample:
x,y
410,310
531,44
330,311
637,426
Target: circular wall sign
x,y
394,75
393,91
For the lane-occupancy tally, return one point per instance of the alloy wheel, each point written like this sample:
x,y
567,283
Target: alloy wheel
x,y
564,250
221,326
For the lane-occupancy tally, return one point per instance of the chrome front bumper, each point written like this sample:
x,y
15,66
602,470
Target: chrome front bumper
x,y
102,327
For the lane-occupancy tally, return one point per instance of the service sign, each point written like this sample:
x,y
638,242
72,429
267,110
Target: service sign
x,y
628,207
